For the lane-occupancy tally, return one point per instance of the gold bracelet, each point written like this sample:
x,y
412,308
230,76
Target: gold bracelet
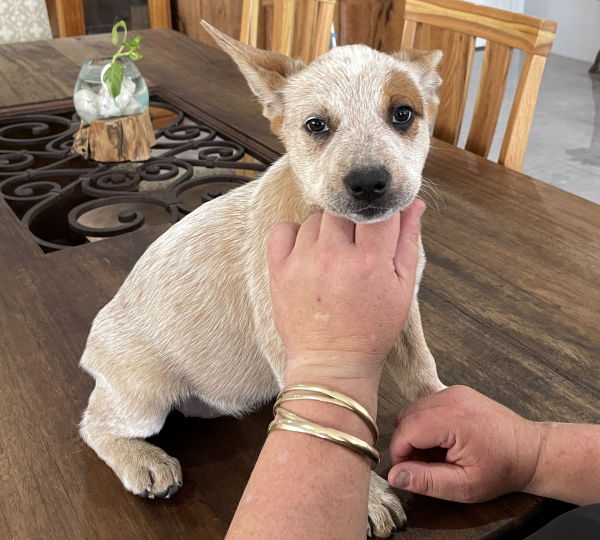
x,y
336,398
295,423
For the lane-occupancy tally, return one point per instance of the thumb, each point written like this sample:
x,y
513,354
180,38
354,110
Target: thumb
x,y
407,249
439,480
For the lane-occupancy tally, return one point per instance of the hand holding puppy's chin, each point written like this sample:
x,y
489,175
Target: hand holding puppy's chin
x,y
341,294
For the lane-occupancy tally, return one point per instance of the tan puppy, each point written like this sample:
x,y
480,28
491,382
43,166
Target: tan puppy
x,y
192,329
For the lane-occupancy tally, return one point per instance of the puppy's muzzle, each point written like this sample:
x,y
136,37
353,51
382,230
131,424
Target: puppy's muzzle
x,y
367,183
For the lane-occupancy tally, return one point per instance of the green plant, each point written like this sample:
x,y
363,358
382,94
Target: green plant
x,y
113,76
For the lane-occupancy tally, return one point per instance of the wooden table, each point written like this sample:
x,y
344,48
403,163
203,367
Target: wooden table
x,y
510,304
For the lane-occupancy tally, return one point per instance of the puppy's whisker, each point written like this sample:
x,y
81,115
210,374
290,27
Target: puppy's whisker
x,y
429,181
432,190
432,187
426,192
437,200
427,201
431,202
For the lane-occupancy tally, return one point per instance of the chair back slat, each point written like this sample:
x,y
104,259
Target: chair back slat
x,y
283,26
322,28
494,73
249,28
300,28
66,17
455,70
306,16
160,13
516,136
409,35
452,26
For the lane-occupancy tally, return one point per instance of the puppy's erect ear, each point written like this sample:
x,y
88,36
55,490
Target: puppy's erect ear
x,y
265,71
426,64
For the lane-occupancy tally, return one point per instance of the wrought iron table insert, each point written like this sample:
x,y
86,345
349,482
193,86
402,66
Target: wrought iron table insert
x,y
51,189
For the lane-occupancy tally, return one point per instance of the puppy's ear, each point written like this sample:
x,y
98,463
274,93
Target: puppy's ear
x,y
426,64
265,71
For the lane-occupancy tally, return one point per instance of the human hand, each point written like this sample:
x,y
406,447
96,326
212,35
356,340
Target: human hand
x,y
341,292
461,446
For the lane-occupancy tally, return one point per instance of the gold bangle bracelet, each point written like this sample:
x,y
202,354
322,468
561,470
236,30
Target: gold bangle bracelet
x,y
337,398
325,399
295,423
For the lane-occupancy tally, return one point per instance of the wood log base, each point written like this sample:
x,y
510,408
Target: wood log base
x,y
128,138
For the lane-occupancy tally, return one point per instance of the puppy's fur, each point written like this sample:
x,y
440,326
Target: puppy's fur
x,y
191,328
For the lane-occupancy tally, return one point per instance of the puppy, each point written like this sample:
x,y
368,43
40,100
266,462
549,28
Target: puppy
x,y
192,329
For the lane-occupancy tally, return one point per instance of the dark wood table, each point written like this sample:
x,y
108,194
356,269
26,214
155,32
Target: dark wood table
x,y
510,303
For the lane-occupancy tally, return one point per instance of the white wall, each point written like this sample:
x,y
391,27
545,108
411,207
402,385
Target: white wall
x,y
510,5
578,34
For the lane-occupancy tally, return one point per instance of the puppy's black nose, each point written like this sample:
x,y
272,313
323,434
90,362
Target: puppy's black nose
x,y
367,183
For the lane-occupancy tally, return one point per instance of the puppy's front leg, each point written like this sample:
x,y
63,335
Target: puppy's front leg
x,y
413,369
410,361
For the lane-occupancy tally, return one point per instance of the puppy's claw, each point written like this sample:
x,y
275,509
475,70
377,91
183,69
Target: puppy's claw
x,y
171,490
154,474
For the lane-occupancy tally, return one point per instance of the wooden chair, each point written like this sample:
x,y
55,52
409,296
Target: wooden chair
x,y
67,18
452,26
301,28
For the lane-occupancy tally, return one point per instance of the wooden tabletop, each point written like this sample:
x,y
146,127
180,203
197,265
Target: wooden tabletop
x,y
510,303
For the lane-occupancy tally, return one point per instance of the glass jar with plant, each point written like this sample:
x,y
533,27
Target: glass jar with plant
x,y
111,87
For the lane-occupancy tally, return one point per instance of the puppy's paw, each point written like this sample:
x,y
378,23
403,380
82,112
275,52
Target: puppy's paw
x,y
152,473
386,514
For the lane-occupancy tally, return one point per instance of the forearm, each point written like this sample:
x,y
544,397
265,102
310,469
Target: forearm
x,y
306,487
569,464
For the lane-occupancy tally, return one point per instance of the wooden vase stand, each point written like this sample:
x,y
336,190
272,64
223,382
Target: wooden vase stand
x,y
127,138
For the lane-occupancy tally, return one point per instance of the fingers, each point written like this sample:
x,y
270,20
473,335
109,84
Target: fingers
x,y
425,429
281,242
336,229
407,250
428,402
440,480
309,232
452,399
382,235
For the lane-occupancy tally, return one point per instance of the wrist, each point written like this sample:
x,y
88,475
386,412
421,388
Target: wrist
x,y
542,432
352,379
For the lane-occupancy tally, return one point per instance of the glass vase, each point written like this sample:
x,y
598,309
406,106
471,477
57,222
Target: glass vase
x,y
91,96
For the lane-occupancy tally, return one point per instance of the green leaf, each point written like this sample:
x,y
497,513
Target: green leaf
x,y
135,55
113,77
134,44
115,32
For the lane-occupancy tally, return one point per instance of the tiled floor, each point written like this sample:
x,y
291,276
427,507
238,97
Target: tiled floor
x,y
564,145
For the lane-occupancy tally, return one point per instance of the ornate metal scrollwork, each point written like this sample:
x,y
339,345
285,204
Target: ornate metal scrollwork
x,y
54,192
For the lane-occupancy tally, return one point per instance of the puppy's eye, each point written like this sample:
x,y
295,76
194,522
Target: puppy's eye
x,y
403,116
316,125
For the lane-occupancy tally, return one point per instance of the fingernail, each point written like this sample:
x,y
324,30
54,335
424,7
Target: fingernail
x,y
402,480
